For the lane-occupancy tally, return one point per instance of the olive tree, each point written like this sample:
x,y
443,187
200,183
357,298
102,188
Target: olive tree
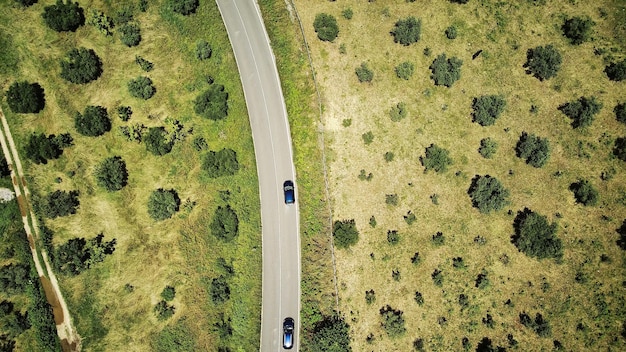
x,y
445,71
212,103
543,62
93,122
407,31
220,163
25,98
162,204
63,16
488,194
184,7
487,108
581,111
584,192
345,233
60,203
577,29
535,236
616,71
111,174
535,150
436,158
141,87
225,224
81,66
326,27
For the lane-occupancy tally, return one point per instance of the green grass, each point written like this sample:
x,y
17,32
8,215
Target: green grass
x,y
148,255
442,116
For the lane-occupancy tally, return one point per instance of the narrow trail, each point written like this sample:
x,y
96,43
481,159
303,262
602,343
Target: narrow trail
x,y
70,340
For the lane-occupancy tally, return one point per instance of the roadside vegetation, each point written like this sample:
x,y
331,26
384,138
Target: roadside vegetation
x,y
132,128
477,174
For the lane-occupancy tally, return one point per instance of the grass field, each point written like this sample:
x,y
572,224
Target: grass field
x,y
584,314
149,255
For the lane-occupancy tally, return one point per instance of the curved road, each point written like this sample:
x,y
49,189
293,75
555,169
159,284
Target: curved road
x,y
272,145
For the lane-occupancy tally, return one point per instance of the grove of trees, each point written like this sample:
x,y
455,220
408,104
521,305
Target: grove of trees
x,y
93,122
445,71
163,203
220,163
488,194
25,98
581,111
535,236
225,224
487,109
63,16
212,103
345,233
407,31
436,158
111,174
60,203
326,27
78,254
543,62
41,148
81,66
533,149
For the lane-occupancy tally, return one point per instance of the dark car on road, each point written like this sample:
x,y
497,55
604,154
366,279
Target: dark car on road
x,y
290,192
288,327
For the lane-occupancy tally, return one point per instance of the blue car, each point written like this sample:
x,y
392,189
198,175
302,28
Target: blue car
x,y
290,192
288,327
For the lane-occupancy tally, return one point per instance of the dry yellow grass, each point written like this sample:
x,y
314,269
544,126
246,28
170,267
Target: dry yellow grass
x,y
442,116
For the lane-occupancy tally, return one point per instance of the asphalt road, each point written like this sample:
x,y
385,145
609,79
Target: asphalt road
x,y
272,145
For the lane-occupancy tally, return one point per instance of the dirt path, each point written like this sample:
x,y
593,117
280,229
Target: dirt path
x,y
70,340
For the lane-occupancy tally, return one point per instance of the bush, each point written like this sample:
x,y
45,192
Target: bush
x,y
102,22
93,122
60,203
445,71
41,148
345,233
130,34
124,112
535,150
488,194
213,103
436,158
392,199
330,334
398,112
543,62
581,111
392,321
225,224
81,66
460,1
535,236
620,112
616,71
26,3
156,141
577,29
63,17
163,310
363,73
4,167
326,27
437,277
184,7
203,50
451,32
162,204
407,31
540,326
482,281
621,242
405,70
141,87
620,148
487,109
111,174
438,239
347,13
221,163
26,98
488,147
168,293
419,298
77,254
220,291
584,192
393,237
